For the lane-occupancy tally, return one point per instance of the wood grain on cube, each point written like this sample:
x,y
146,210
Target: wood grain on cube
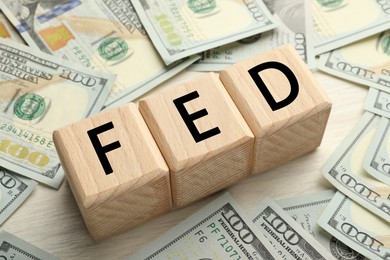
x,y
138,187
288,132
199,168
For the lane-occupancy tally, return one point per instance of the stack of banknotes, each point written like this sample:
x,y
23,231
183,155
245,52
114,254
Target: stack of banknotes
x,y
286,229
64,60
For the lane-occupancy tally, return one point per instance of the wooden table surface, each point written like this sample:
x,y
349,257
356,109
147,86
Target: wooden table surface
x,y
51,220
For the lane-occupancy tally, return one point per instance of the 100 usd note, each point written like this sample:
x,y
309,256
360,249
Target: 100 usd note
x,y
220,230
306,210
104,35
38,94
357,227
365,62
12,247
14,190
378,102
287,238
344,169
377,160
295,29
180,28
340,22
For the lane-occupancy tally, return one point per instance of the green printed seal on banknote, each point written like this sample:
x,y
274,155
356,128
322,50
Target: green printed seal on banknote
x,y
113,49
385,43
202,6
330,3
29,106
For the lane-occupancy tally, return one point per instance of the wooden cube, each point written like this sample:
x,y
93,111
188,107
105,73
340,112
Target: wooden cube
x,y
115,170
202,136
282,103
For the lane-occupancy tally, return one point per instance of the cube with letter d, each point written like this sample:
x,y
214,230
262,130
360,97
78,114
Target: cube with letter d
x,y
115,170
282,103
202,136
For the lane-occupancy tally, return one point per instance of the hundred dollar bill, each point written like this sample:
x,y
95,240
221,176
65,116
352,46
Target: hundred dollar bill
x,y
104,35
38,94
7,30
288,239
296,29
378,102
12,247
14,190
220,230
377,159
341,22
180,28
357,227
344,169
306,210
365,62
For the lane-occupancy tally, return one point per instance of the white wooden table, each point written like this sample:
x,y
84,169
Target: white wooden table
x,y
51,220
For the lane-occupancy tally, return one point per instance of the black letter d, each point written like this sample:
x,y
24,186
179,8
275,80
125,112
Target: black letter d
x,y
254,72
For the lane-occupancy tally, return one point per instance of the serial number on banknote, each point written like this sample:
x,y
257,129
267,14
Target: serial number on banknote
x,y
23,133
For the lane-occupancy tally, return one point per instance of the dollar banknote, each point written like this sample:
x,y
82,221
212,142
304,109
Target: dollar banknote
x,y
357,227
7,30
103,35
306,210
12,247
41,93
338,23
344,169
295,28
180,28
14,190
366,62
220,230
378,102
377,159
287,238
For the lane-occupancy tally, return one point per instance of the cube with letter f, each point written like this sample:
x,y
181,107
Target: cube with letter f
x,y
115,170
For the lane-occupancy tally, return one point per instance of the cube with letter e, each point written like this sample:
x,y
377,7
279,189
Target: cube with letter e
x,y
282,103
115,170
202,136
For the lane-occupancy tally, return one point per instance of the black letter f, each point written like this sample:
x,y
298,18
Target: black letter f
x,y
102,150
